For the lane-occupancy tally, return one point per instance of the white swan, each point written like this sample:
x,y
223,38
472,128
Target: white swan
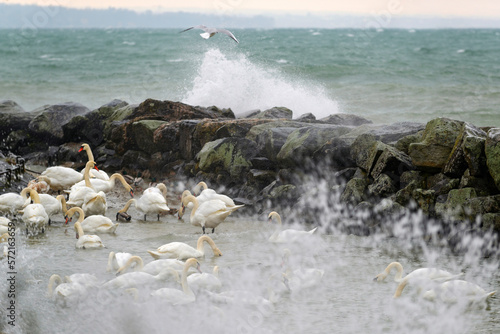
x,y
11,203
138,279
160,188
175,296
208,214
66,293
4,225
84,241
95,223
288,235
149,203
53,205
457,290
87,280
205,281
421,273
299,278
100,174
78,195
34,215
117,260
106,185
61,178
153,267
183,251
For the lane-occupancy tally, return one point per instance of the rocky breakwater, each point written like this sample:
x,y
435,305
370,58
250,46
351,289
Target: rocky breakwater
x,y
449,169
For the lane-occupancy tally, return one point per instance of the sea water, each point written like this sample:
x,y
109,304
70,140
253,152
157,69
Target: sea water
x,y
396,75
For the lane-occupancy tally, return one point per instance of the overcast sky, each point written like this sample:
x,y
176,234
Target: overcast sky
x,y
445,8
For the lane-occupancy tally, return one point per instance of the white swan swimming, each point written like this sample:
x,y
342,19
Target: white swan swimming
x,y
208,214
288,235
138,279
154,267
205,281
435,274
149,203
209,32
100,174
458,290
66,293
84,241
179,297
34,215
78,196
53,205
61,178
95,223
11,203
117,260
299,278
183,251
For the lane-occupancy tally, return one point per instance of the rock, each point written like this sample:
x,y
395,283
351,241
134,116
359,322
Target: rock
x,y
468,152
355,191
441,183
492,151
403,144
425,199
361,151
438,140
10,107
336,152
484,186
271,140
482,205
382,186
48,124
302,143
412,176
388,134
455,205
232,155
345,119
171,111
261,178
273,113
491,221
258,129
142,133
306,118
392,162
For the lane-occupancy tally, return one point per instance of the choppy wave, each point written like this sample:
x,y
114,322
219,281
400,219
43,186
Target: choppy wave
x,y
239,84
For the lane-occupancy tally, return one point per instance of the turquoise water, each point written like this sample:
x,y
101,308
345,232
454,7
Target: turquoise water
x,y
386,76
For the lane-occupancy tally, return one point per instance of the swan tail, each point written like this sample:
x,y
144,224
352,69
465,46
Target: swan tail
x,y
154,254
313,230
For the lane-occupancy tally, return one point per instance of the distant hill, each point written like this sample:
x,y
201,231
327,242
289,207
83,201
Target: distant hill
x,y
30,16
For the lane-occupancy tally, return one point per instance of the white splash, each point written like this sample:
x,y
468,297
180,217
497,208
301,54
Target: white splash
x,y
242,85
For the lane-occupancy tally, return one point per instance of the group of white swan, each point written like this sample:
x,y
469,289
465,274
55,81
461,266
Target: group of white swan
x,y
439,284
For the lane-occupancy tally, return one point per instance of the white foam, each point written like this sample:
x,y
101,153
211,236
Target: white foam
x,y
242,85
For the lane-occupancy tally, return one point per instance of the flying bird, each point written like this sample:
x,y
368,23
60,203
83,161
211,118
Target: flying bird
x,y
209,32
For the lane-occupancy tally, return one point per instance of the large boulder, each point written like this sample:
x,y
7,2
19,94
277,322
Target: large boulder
x,y
345,119
13,118
273,113
467,153
438,140
227,155
492,151
142,133
48,124
304,142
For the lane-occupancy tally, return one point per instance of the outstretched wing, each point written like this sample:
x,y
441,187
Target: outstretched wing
x,y
200,26
227,32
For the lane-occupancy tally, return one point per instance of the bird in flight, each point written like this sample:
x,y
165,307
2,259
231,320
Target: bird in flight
x,y
209,32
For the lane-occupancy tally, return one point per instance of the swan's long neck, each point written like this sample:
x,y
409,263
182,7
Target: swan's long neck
x,y
185,286
111,257
54,279
399,268
86,174
128,204
24,192
276,216
208,240
79,228
34,196
139,264
400,288
120,178
200,187
61,199
87,149
196,204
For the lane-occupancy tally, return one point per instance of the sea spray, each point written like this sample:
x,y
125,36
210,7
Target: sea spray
x,y
239,84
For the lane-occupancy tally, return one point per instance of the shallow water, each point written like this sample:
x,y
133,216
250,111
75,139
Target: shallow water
x,y
346,301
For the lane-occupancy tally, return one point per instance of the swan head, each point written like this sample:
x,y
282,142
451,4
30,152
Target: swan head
x,y
217,252
180,213
84,147
123,216
380,277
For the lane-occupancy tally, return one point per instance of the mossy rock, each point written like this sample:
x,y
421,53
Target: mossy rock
x,y
492,151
